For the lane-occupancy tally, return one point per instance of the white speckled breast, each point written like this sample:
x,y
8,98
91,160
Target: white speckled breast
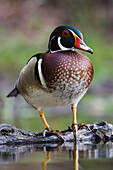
x,y
68,74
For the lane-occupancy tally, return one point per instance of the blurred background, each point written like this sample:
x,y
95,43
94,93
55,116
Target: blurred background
x,y
25,27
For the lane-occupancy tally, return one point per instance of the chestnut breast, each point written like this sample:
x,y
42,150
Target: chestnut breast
x,y
67,70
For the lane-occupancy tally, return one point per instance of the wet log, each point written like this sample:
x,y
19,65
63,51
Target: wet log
x,y
96,132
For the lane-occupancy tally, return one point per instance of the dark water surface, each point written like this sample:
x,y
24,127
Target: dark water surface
x,y
68,156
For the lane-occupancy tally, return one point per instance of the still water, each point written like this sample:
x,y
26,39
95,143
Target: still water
x,y
68,156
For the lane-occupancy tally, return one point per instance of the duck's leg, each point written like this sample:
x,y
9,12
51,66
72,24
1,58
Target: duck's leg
x,y
41,113
47,127
74,123
82,125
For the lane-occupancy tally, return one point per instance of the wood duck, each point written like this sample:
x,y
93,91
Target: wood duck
x,y
58,77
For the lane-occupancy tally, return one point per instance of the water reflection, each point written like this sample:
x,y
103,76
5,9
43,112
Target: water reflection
x,y
54,156
72,153
75,157
48,158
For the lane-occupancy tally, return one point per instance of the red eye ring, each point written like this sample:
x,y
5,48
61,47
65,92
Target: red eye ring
x,y
65,33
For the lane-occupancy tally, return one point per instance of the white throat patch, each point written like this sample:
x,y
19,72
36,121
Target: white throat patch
x,y
62,47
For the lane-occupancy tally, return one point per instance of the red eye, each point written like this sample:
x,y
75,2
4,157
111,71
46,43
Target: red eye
x,y
65,33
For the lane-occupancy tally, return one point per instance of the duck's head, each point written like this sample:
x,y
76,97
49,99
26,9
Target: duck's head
x,y
67,38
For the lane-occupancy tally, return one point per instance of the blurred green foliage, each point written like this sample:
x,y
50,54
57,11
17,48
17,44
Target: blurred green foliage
x,y
16,50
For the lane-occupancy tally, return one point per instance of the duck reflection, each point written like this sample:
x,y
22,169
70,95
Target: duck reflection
x,y
53,156
75,157
48,155
44,164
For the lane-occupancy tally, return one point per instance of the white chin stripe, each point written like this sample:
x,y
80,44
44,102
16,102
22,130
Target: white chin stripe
x,y
62,47
40,73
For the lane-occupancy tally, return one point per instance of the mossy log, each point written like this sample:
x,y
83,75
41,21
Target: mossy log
x,y
99,131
